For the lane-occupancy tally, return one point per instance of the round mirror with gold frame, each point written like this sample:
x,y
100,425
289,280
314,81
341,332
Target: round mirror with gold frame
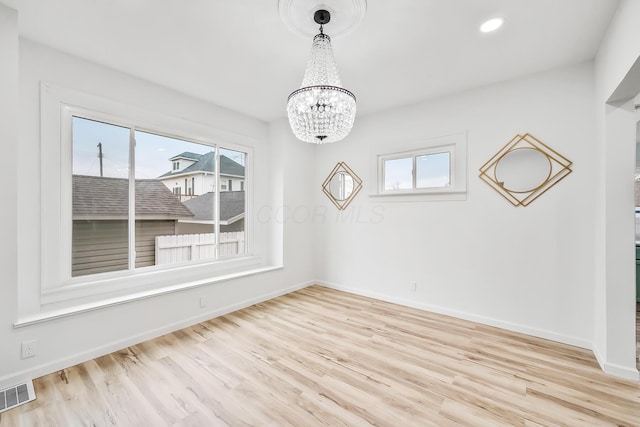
x,y
524,169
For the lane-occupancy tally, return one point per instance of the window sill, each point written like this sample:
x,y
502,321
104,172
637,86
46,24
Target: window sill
x,y
422,196
45,316
122,283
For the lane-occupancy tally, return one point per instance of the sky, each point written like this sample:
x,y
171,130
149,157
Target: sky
x,y
432,170
152,151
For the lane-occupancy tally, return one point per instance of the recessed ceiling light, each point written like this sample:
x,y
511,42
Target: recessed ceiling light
x,y
491,25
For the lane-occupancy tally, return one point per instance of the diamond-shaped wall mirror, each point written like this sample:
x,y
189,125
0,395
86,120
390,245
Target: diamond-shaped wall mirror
x,y
342,185
524,169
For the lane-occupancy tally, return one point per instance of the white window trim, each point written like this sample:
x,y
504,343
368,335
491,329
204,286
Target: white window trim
x,y
57,285
455,144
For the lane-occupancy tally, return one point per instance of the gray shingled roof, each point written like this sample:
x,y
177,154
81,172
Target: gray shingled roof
x,y
231,205
206,163
187,155
95,197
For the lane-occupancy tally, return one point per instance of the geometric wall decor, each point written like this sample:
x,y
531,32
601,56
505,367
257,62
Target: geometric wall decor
x,y
524,169
342,185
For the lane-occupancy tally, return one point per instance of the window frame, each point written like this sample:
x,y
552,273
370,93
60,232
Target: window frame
x,y
454,144
58,106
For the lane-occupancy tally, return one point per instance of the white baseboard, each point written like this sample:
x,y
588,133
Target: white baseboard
x,y
615,369
621,371
74,359
540,333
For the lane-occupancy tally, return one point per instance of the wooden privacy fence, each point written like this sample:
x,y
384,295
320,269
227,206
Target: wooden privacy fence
x,y
191,247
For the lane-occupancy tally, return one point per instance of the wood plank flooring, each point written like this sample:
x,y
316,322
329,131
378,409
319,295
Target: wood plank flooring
x,y
323,357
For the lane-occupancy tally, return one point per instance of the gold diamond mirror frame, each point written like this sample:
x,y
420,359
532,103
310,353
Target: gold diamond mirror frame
x,y
342,185
522,152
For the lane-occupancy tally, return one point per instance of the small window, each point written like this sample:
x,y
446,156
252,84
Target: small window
x,y
437,168
417,171
176,166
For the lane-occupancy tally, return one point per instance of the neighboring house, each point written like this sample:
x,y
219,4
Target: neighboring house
x,y
232,208
100,230
637,198
193,175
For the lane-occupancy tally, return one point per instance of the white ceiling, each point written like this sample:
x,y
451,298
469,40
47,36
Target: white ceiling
x,y
240,55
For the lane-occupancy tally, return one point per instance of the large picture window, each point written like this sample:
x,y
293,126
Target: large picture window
x,y
132,203
130,209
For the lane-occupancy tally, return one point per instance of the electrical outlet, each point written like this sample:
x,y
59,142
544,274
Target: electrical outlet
x,y
29,349
413,286
203,302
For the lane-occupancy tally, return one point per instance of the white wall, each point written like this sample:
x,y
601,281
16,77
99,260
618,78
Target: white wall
x,y
68,340
8,145
296,212
617,82
529,268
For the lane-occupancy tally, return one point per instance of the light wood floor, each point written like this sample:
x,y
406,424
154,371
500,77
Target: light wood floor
x,y
322,357
638,335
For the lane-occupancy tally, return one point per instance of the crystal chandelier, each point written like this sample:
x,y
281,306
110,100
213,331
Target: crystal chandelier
x,y
321,110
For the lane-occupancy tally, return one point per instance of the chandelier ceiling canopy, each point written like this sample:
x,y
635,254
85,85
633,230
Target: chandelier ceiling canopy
x,y
321,110
298,16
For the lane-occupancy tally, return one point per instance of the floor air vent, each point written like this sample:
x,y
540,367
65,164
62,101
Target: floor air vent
x,y
16,396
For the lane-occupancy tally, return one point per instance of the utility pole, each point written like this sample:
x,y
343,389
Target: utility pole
x,y
100,156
